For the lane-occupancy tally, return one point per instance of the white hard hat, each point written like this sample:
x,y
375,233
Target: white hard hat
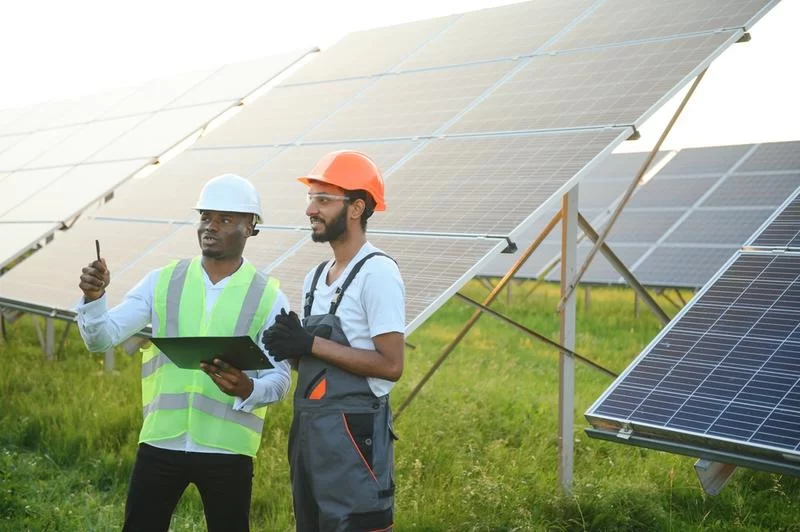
x,y
230,193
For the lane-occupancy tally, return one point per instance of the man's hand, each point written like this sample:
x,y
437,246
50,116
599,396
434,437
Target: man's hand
x,y
228,379
287,338
94,280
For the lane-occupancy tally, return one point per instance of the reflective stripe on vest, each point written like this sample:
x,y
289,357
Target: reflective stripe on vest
x,y
176,401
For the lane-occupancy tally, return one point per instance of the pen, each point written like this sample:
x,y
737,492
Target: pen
x,y
97,247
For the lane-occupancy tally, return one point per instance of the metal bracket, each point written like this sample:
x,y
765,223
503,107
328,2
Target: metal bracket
x,y
746,37
713,475
511,246
625,432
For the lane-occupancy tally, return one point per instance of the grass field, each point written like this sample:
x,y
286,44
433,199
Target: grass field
x,y
477,449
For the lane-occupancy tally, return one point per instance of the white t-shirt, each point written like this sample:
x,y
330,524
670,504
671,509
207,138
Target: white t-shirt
x,y
373,304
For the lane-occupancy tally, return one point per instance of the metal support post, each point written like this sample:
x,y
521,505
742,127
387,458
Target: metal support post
x,y
109,361
566,366
626,274
474,318
63,339
49,338
486,283
663,293
680,296
629,192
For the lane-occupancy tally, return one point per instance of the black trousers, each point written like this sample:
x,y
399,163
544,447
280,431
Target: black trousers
x,y
160,476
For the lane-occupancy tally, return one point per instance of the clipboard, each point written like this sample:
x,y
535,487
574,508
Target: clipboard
x,y
187,352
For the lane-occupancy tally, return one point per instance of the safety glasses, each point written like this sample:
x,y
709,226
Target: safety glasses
x,y
321,199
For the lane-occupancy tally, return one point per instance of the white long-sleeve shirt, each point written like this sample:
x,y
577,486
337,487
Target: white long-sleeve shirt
x,y
102,329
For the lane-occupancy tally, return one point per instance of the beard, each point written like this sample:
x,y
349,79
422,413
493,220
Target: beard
x,y
333,230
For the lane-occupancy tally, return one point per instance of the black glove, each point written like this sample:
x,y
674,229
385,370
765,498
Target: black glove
x,y
287,338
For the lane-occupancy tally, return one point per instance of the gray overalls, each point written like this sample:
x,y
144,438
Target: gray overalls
x,y
340,444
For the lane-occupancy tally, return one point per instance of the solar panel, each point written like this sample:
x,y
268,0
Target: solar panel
x,y
36,117
618,21
774,157
592,87
724,375
504,31
453,194
377,51
731,227
71,191
122,244
690,217
234,81
681,265
19,186
599,191
16,239
147,199
753,190
157,94
28,147
783,231
714,160
82,142
488,185
415,104
283,114
157,134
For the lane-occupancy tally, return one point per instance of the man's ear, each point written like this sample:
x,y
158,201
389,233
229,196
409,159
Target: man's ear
x,y
358,208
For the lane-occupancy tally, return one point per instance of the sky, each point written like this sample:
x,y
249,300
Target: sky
x,y
53,50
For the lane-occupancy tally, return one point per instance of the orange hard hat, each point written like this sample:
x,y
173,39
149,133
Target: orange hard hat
x,y
349,170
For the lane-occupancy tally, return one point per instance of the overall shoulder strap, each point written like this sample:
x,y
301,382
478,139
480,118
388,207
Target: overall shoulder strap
x,y
337,297
309,299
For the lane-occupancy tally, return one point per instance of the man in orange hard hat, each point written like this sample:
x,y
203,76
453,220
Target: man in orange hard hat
x,y
348,353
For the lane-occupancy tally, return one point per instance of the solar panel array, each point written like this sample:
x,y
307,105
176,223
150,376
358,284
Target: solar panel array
x,y
442,105
682,225
722,381
58,158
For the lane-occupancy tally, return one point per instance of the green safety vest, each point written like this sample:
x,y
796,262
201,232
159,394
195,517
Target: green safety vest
x,y
176,401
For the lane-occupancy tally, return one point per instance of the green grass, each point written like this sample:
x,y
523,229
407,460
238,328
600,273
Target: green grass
x,y
477,449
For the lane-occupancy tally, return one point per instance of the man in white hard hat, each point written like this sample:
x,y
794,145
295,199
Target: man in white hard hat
x,y
198,428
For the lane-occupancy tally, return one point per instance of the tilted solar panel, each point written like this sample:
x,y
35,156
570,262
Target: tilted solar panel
x,y
722,381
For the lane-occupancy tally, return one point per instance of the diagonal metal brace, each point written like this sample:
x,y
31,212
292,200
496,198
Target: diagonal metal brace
x,y
626,274
534,334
